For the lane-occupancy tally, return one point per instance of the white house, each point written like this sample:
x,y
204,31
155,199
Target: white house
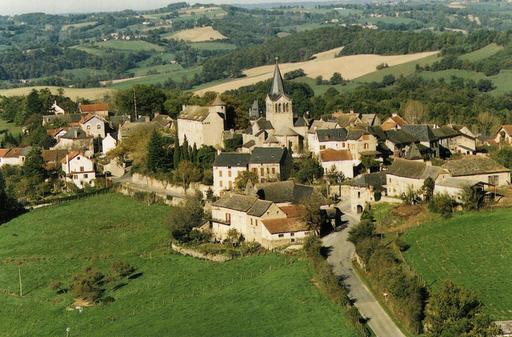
x,y
226,168
78,169
109,142
93,125
357,141
257,220
202,125
75,139
339,161
14,156
504,135
478,169
56,109
456,139
404,175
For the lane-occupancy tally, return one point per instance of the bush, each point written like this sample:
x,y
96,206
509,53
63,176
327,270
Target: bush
x,y
122,269
87,285
382,66
442,204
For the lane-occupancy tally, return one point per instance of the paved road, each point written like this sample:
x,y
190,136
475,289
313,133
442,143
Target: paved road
x,y
341,260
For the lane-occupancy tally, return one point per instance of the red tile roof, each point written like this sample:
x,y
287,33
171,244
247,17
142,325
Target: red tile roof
x,y
335,155
3,152
284,225
392,122
70,156
507,128
293,211
93,107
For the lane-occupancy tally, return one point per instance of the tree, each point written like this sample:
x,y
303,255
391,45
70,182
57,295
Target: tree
x,y
186,173
243,178
312,213
504,156
185,218
307,170
34,164
364,230
487,122
428,189
415,111
157,156
388,80
336,79
454,312
472,198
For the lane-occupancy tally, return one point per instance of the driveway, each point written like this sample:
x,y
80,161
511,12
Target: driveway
x,y
340,259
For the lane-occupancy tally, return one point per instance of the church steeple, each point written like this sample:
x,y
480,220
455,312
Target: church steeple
x,y
277,83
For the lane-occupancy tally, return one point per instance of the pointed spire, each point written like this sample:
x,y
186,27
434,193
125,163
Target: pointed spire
x,y
277,82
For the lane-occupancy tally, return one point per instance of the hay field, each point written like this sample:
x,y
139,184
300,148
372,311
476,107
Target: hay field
x,y
73,93
198,34
324,64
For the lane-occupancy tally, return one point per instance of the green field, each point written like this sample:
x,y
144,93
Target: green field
x,y
321,89
135,45
482,53
267,295
176,75
78,25
9,127
473,250
212,45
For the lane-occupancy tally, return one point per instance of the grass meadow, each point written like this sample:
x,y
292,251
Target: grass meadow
x,y
267,295
473,250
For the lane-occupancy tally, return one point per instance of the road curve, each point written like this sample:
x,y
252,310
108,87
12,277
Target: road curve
x,y
340,259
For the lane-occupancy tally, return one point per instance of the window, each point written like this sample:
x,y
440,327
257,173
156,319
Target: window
x,y
221,183
322,147
220,173
268,170
75,177
273,170
255,170
229,173
98,126
359,195
230,184
366,146
343,145
81,168
292,240
86,176
280,235
262,171
228,218
292,234
88,127
494,180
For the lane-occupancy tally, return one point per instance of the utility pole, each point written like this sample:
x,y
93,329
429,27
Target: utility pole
x,y
19,279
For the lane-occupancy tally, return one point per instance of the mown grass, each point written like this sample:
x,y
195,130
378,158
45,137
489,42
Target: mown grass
x,y
473,250
268,295
213,45
135,45
482,53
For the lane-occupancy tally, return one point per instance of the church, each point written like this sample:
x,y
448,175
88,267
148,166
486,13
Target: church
x,y
279,127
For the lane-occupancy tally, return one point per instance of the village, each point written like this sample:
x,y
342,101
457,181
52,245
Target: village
x,y
364,161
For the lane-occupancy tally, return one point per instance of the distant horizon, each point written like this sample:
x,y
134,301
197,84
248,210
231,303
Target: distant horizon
x,y
17,7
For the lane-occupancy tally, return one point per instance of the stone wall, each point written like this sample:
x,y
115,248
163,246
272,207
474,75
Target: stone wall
x,y
199,255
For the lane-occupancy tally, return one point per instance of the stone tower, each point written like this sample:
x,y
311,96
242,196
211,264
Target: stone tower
x,y
279,110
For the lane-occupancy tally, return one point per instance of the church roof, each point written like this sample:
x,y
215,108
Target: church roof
x,y
277,88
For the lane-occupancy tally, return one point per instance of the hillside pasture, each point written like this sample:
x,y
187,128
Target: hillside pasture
x,y
473,250
132,45
78,25
175,73
213,46
73,93
323,64
198,34
482,53
266,295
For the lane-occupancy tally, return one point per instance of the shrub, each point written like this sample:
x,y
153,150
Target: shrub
x,y
87,285
442,204
122,269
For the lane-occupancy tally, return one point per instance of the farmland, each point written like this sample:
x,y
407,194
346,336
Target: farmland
x,y
473,250
324,64
129,46
178,295
89,93
198,34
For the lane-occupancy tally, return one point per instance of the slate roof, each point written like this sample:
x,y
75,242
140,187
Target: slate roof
x,y
232,159
285,191
249,144
446,132
377,132
285,131
413,169
264,124
277,89
195,113
416,151
75,133
301,122
268,155
339,134
320,124
422,132
347,119
376,180
329,155
473,165
399,137
244,203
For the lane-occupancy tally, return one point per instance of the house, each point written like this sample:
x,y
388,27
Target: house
x,y
287,192
454,187
504,135
398,142
109,142
14,156
270,163
226,168
163,122
425,135
257,220
100,109
57,110
357,141
404,175
57,132
75,139
53,158
338,161
78,169
478,169
362,190
93,125
453,141
395,122
202,125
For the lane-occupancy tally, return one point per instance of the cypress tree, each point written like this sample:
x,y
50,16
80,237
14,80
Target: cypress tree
x,y
156,153
176,153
